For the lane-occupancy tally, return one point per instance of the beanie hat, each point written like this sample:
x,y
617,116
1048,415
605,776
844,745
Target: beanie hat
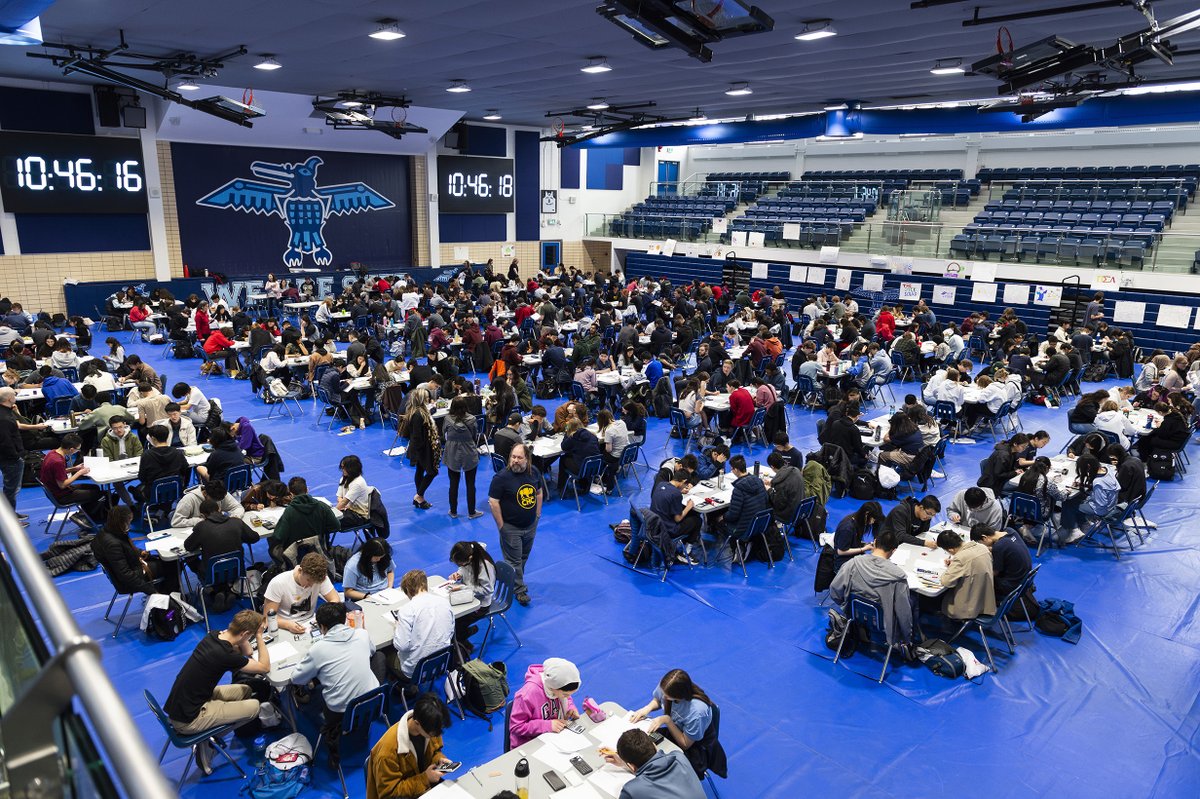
x,y
557,672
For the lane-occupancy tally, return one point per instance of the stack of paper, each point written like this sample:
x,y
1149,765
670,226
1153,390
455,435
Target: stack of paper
x,y
566,742
283,654
609,780
388,596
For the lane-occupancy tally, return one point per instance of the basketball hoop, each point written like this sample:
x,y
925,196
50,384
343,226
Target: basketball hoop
x,y
558,126
248,97
1006,55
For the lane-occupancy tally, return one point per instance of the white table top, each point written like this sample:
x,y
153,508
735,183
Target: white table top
x,y
614,378
716,402
922,566
300,305
25,394
707,489
105,472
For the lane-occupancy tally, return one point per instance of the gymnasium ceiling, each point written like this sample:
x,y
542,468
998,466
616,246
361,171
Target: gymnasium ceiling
x,y
523,57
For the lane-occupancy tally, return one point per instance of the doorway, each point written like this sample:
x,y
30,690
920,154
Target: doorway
x,y
551,256
668,177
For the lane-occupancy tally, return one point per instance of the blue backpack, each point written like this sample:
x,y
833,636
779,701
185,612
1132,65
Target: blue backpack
x,y
273,783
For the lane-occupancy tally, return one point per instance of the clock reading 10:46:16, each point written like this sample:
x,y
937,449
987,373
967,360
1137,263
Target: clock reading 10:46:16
x,y
46,173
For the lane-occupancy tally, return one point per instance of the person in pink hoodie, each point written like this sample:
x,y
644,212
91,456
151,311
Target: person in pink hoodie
x,y
543,703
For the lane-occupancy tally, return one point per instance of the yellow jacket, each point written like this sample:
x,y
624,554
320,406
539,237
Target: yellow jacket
x,y
393,770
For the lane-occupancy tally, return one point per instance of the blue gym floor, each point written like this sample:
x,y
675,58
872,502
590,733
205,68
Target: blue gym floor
x,y
1115,715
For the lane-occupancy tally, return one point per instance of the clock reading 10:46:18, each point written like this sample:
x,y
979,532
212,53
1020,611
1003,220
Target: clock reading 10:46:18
x,y
53,173
471,185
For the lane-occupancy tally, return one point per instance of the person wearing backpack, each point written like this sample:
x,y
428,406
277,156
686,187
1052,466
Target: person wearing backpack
x,y
477,573
197,703
341,661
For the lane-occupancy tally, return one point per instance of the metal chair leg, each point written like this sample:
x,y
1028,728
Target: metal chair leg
x,y
120,621
111,602
886,659
217,744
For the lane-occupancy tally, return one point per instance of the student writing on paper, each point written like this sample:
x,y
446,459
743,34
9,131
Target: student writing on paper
x,y
687,716
369,570
543,704
657,775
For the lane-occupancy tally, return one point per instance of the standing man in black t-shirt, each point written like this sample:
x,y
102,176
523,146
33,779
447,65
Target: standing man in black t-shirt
x,y
197,703
515,498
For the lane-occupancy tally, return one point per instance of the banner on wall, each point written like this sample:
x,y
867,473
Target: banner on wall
x,y
249,210
842,282
1106,281
508,251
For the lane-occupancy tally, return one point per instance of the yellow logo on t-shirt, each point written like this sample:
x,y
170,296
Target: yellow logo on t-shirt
x,y
527,496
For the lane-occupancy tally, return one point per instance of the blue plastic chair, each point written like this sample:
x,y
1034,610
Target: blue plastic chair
x,y
867,615
740,544
164,492
223,570
360,713
591,468
502,599
181,741
238,479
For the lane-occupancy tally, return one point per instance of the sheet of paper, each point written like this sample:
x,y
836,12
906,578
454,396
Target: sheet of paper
x,y
738,238
608,731
1106,281
872,282
910,292
758,270
1133,313
816,275
900,264
447,790
983,272
609,780
387,596
842,283
829,255
581,791
554,759
797,273
756,238
669,247
281,652
983,292
566,741
720,224
654,249
944,294
1016,294
462,253
791,231
1047,295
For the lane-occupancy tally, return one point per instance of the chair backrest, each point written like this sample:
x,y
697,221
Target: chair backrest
x,y
868,614
804,510
506,582
237,478
225,569
508,707
759,417
592,466
432,668
166,489
364,709
159,714
498,463
939,449
577,392
944,410
758,525
1027,507
678,420
60,406
109,577
629,455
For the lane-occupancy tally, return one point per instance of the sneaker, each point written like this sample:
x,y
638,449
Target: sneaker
x,y
939,475
204,755
523,599
1075,535
475,514
596,488
80,518
453,514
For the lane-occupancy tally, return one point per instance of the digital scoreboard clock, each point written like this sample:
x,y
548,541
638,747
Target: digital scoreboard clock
x,y
470,185
49,173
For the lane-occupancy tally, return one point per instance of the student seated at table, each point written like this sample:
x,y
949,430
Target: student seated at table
x,y
845,433
215,536
159,460
197,703
187,511
741,407
404,761
910,518
992,394
657,775
903,441
1037,441
578,444
341,662
266,494
1172,434
306,522
423,626
477,573
119,442
749,498
369,570
85,400
543,702
853,530
691,402
687,714
785,490
181,428
968,577
1097,497
1011,560
294,594
710,462
130,569
60,480
1048,490
878,579
976,505
1001,465
225,455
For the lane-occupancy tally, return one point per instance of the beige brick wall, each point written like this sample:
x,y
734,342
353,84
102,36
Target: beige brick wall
x,y
37,280
588,255
170,212
418,191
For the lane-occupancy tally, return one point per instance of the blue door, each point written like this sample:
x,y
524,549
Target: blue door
x,y
551,256
668,177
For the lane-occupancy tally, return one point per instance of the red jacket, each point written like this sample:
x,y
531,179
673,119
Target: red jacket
x,y
741,407
523,313
216,342
137,314
202,326
885,325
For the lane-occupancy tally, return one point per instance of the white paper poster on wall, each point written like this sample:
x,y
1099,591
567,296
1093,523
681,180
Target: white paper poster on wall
x,y
842,282
1016,294
900,264
816,275
720,224
944,295
983,292
758,270
669,247
797,273
757,238
872,282
910,292
954,270
738,238
654,249
1047,295
791,231
1106,281
508,251
829,255
462,253
1173,315
1131,313
983,272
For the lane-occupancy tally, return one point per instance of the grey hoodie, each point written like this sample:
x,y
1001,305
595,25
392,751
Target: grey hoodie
x,y
666,775
341,660
882,581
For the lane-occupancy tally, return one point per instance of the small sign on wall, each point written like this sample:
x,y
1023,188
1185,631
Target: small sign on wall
x,y
549,201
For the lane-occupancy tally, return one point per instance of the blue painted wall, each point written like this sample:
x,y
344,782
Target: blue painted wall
x,y
528,168
569,167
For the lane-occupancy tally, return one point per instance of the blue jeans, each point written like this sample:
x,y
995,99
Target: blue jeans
x,y
13,472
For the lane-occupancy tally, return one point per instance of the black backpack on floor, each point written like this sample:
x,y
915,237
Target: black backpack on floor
x,y
1161,465
166,623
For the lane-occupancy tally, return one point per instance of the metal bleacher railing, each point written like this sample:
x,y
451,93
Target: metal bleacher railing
x,y
47,749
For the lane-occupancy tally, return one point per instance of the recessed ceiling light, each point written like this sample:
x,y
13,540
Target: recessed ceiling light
x,y
388,31
837,107
458,87
596,65
268,63
350,103
816,29
947,66
188,86
739,89
492,115
597,104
